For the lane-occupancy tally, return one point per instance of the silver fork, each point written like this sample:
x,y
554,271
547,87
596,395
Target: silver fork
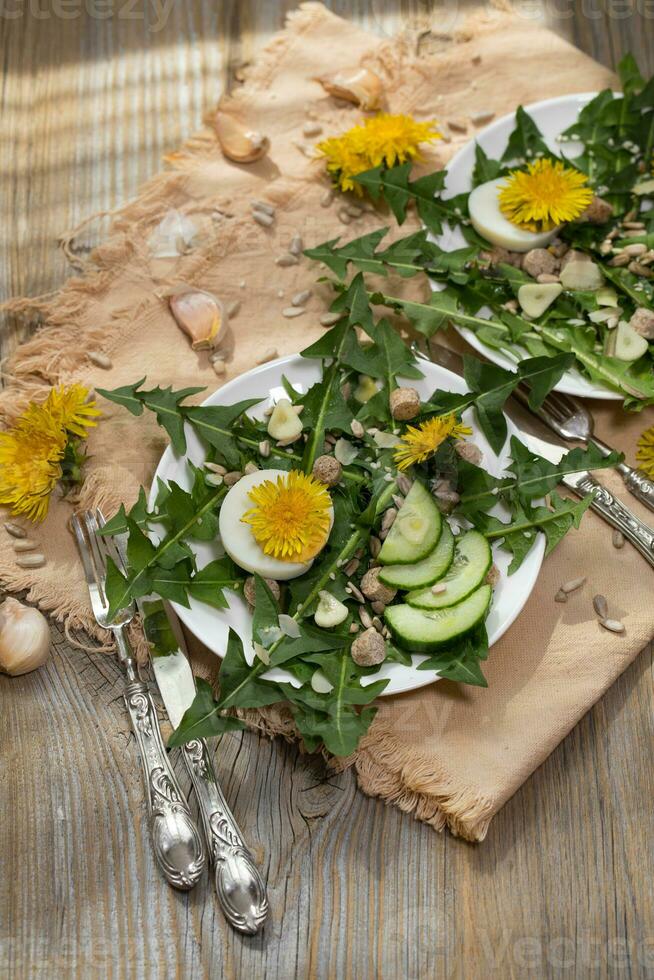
x,y
177,842
573,422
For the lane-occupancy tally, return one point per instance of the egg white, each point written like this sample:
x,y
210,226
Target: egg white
x,y
238,540
488,221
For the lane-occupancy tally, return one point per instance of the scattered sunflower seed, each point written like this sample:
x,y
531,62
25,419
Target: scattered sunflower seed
x,y
31,561
357,429
601,606
573,585
560,596
458,125
354,210
329,319
483,117
263,206
618,539
300,298
25,545
262,218
100,360
619,260
388,518
351,567
214,479
365,617
216,468
234,307
231,478
354,628
378,607
327,198
297,245
287,259
250,468
398,501
219,367
404,483
354,592
311,129
636,249
439,588
268,355
377,624
375,546
614,625
291,311
15,530
344,217
634,225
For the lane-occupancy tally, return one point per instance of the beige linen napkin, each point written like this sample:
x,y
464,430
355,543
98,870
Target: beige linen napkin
x,y
451,754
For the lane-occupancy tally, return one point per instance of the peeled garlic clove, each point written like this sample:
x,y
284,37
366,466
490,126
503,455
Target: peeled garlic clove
x,y
200,315
284,424
330,611
24,638
237,142
534,298
363,87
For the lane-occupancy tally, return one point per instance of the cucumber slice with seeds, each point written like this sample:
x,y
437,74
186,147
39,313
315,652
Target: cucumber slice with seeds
x,y
416,529
424,572
472,559
427,630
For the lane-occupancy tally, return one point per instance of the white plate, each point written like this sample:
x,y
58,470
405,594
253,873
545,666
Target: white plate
x,y
211,625
552,116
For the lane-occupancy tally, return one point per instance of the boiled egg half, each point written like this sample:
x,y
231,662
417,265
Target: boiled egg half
x,y
488,220
239,541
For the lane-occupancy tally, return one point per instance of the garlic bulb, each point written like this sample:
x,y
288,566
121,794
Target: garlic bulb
x,y
363,87
24,638
238,143
200,315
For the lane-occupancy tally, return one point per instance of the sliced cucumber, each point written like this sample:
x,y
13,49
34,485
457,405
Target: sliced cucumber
x,y
426,630
424,572
472,559
416,529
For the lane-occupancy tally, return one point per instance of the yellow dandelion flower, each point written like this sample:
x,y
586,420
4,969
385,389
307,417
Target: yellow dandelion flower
x,y
382,139
545,195
30,455
419,442
645,452
291,518
71,406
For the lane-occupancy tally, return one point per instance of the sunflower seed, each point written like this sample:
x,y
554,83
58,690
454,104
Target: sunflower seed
x,y
300,298
262,218
250,468
231,478
439,588
216,468
640,225
365,617
458,125
388,518
601,606
311,129
291,311
377,623
264,448
640,270
287,259
234,307
618,539
619,260
375,546
327,198
263,206
354,210
219,367
614,625
344,217
100,360
354,592
214,480
329,319
354,628
297,245
404,483
31,561
481,118
573,584
637,249
398,501
560,596
357,429
351,567
25,545
15,530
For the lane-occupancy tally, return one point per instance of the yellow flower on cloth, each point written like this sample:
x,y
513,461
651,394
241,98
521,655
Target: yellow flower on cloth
x,y
382,139
419,442
645,452
545,195
291,517
42,448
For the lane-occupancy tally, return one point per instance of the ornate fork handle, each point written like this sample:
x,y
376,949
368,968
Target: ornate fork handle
x,y
619,516
176,839
634,480
239,886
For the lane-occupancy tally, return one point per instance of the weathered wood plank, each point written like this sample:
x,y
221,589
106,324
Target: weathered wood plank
x,y
561,886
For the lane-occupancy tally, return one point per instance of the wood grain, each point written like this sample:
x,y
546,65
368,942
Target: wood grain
x,y
563,884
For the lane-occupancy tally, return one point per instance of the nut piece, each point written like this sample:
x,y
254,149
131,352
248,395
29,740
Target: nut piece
x,y
539,260
492,576
237,142
404,403
362,87
249,589
598,212
369,648
643,323
328,470
375,590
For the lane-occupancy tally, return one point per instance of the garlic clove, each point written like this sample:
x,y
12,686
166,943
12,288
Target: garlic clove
x,y
200,316
238,143
24,638
362,87
284,424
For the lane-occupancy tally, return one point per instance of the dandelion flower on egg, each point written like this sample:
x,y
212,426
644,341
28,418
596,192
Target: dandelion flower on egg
x,y
291,517
545,195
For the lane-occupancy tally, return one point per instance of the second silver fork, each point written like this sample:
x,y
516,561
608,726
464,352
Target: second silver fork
x,y
573,422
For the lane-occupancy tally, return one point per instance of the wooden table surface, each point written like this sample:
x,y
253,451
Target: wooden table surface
x,y
92,94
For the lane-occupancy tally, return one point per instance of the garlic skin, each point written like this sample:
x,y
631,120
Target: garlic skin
x,y
363,87
200,316
238,143
24,638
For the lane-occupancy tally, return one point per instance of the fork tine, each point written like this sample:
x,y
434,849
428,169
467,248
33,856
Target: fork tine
x,y
83,547
111,547
97,554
